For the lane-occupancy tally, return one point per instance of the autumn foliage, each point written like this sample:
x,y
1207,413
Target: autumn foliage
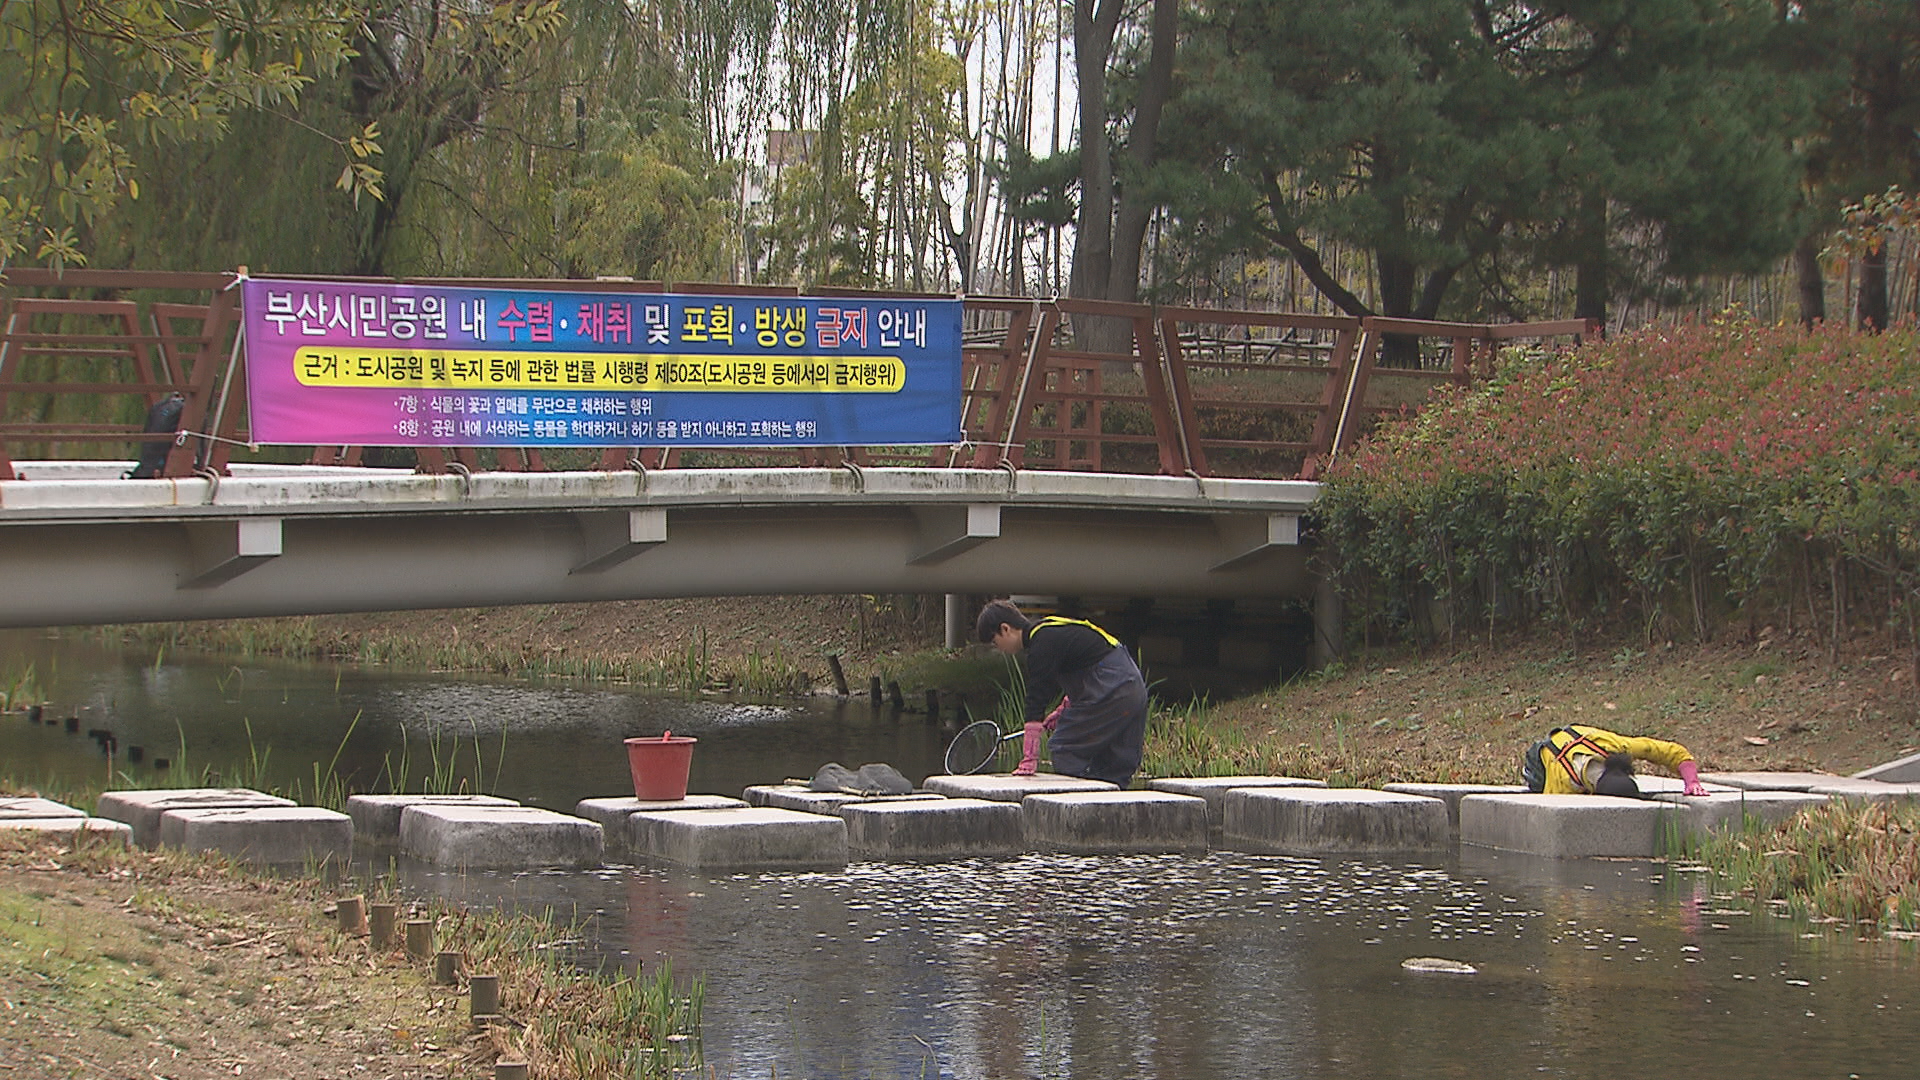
x,y
1681,477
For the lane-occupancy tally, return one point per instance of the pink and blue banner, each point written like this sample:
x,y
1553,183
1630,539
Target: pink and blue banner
x,y
365,364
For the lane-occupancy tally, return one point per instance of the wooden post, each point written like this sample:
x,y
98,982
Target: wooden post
x,y
483,997
419,939
446,967
382,918
353,915
510,1069
839,674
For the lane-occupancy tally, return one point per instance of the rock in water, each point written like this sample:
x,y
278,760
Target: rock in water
x,y
1434,965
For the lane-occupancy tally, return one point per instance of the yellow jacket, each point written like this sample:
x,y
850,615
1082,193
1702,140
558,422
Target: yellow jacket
x,y
1568,749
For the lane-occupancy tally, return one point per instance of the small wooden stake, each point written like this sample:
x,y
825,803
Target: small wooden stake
x,y
353,915
419,939
446,967
381,918
510,1069
483,996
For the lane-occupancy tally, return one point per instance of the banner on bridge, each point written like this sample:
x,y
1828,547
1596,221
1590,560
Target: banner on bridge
x,y
370,364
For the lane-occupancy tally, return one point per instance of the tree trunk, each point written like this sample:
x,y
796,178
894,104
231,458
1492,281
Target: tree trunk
x,y
1813,287
1871,308
1590,292
1112,227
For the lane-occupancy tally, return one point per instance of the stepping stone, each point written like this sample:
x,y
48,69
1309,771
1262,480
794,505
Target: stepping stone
x,y
1865,790
1004,787
1730,811
1315,820
1569,826
15,808
1904,770
1214,789
807,800
1116,821
752,836
939,828
1451,794
1658,787
376,818
612,813
70,826
1769,781
275,835
500,837
142,808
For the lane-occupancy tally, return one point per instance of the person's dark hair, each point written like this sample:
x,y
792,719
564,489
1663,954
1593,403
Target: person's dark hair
x,y
1616,778
995,613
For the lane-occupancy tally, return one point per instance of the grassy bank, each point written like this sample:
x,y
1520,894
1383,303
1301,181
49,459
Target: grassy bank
x,y
1846,862
134,963
753,645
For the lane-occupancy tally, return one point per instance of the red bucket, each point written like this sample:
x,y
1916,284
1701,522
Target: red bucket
x,y
659,767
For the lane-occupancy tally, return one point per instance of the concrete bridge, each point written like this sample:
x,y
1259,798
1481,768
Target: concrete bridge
x,y
81,545
1176,469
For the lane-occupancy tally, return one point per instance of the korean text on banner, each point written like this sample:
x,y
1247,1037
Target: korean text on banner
x,y
359,364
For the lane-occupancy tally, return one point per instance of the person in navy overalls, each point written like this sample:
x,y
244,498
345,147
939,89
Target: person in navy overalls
x,y
1102,719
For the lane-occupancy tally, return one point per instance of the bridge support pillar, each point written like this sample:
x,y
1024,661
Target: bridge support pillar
x,y
1329,623
956,620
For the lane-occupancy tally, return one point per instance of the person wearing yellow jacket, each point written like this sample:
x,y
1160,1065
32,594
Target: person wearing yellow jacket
x,y
1583,760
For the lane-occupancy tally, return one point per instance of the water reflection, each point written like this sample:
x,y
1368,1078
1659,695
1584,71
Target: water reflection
x,y
1235,965
547,744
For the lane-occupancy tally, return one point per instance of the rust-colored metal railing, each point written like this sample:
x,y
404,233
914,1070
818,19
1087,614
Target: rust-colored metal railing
x,y
1174,390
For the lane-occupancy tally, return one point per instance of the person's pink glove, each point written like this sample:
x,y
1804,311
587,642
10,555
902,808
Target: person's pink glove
x,y
1029,750
1690,778
1054,716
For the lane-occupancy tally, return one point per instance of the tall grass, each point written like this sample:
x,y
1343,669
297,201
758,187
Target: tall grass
x,y
1851,861
640,1025
19,689
690,666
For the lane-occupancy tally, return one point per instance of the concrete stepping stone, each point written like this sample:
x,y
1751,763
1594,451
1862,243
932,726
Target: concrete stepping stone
x,y
1316,820
612,813
69,826
275,835
1451,794
1723,811
807,800
1004,787
14,808
376,818
1214,789
743,837
142,808
1904,770
939,828
1769,781
1866,790
500,837
1570,826
1116,821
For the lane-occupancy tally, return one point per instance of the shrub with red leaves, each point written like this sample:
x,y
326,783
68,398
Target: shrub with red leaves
x,y
1678,476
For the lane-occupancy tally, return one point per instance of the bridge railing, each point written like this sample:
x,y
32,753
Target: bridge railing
x,y
1046,383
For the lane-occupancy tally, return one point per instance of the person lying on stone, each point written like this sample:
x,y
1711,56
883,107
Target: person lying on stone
x,y
1583,760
